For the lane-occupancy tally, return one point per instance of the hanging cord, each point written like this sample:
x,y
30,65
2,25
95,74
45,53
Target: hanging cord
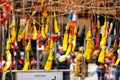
x,y
51,29
59,16
84,48
10,68
115,29
39,21
108,65
88,12
105,10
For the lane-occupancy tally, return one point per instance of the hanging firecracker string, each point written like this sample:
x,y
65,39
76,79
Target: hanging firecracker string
x,y
5,6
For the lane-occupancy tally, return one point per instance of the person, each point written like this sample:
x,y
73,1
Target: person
x,y
108,63
100,68
2,62
104,69
62,65
44,57
21,63
82,36
33,63
78,68
117,63
81,69
72,69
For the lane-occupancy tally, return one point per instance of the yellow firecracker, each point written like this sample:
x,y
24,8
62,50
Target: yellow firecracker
x,y
20,32
34,32
56,27
118,59
101,57
63,57
48,64
47,27
65,41
104,36
8,61
88,45
27,60
49,61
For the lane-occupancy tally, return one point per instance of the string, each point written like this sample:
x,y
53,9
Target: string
x,y
106,10
69,4
39,20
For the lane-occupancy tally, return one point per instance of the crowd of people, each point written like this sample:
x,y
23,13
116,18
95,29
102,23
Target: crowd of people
x,y
77,61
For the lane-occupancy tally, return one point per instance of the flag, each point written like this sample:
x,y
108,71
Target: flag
x,y
111,27
98,33
115,44
13,23
75,30
103,44
74,39
82,36
20,31
71,15
67,27
27,27
56,27
47,27
119,44
39,40
34,31
72,30
15,45
109,43
8,61
74,43
101,57
65,38
49,61
51,43
88,45
70,42
43,30
65,41
8,44
70,39
48,64
118,59
47,45
13,32
104,35
27,60
48,42
28,47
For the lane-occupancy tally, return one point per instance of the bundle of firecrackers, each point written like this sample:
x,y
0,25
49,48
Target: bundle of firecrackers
x,y
68,41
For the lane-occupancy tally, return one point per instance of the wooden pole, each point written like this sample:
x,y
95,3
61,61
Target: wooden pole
x,y
0,49
0,45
